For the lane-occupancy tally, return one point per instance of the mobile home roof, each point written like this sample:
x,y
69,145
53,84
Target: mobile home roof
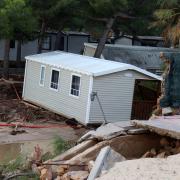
x,y
85,64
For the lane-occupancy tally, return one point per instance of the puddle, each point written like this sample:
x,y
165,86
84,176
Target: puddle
x,y
11,151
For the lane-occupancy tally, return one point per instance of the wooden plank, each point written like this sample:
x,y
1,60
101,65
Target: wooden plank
x,y
164,125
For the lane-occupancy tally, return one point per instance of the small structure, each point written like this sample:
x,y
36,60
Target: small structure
x,y
141,56
68,41
153,41
88,89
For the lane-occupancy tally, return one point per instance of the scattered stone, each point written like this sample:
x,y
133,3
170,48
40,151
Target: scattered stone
x,y
164,142
62,169
167,111
90,165
46,173
161,155
75,175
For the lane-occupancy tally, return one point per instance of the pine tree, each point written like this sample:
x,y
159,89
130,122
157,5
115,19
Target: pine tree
x,y
17,23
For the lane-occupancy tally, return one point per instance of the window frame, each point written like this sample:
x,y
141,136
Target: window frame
x,y
72,95
44,75
55,69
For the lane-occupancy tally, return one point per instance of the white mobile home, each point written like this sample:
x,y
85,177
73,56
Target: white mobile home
x,y
88,89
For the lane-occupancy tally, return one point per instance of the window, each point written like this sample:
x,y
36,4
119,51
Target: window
x,y
54,79
12,44
42,75
75,85
46,44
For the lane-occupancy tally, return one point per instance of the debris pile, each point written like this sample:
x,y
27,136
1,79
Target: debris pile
x,y
13,109
99,150
167,147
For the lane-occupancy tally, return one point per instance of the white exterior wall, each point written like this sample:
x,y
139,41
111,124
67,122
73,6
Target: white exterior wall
x,y
60,102
115,92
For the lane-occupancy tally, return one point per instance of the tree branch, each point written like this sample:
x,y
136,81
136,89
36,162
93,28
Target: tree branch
x,y
124,16
98,19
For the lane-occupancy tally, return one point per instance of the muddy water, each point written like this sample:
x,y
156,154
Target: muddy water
x,y
11,151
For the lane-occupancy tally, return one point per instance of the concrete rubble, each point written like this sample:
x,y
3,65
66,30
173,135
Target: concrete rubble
x,y
104,161
163,125
99,151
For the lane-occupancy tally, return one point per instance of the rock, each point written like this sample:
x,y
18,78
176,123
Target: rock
x,y
150,154
46,173
161,155
65,177
90,165
176,150
167,110
35,169
178,143
73,152
164,142
153,152
58,178
75,175
62,169
43,174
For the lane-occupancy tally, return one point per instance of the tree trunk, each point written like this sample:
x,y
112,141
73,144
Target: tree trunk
x,y
6,58
18,56
103,39
42,32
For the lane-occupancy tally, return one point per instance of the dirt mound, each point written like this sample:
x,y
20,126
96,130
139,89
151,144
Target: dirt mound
x,y
145,169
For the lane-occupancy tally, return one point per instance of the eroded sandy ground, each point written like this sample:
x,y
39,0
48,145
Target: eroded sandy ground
x,y
145,169
14,111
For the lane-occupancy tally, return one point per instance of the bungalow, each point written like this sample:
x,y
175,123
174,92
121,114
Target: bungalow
x,y
68,41
88,89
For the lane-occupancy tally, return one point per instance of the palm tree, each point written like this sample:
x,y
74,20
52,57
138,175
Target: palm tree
x,y
168,17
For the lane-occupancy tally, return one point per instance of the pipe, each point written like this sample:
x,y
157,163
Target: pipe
x,y
34,126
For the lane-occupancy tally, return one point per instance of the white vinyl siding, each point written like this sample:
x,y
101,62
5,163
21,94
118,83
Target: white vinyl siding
x,y
42,75
59,102
75,85
54,84
115,92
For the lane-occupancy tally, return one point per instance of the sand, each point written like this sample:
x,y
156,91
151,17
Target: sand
x,y
145,169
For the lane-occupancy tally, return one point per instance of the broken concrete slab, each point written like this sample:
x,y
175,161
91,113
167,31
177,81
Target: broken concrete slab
x,y
87,155
104,161
75,150
164,125
130,146
137,131
104,132
126,125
